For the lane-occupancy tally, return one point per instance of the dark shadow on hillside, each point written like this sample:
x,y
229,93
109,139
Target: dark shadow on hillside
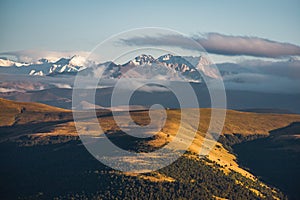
x,y
131,143
30,128
276,158
293,128
43,127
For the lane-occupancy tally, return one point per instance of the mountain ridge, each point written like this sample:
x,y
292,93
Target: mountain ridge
x,y
168,64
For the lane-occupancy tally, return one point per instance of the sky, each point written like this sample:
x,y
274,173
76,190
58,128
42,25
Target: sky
x,y
80,25
259,38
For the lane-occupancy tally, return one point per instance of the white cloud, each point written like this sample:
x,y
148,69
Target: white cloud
x,y
261,75
62,85
8,90
216,43
284,68
262,82
31,56
153,88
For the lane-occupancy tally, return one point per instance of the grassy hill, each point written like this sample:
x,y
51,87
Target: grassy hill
x,y
38,127
245,125
22,113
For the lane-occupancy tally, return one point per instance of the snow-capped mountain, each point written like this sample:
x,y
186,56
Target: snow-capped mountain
x,y
143,66
43,66
146,66
142,60
10,63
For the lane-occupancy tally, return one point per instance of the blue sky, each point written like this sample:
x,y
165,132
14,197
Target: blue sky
x,y
80,25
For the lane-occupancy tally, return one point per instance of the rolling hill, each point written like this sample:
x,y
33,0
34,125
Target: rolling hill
x,y
23,113
36,132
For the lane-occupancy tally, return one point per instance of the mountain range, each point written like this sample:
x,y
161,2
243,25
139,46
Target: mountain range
x,y
43,66
175,67
241,76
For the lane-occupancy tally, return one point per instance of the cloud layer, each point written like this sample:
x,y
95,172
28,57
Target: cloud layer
x,y
264,76
30,56
221,44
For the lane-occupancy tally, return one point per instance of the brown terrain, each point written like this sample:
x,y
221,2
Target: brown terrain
x,y
31,124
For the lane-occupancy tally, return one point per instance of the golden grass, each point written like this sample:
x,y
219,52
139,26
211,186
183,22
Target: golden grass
x,y
24,112
65,129
248,123
153,177
256,123
236,122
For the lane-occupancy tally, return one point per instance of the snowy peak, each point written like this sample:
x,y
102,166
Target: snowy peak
x,y
42,60
178,63
165,63
78,61
44,67
204,65
175,60
74,61
36,73
205,61
143,60
63,65
185,67
6,63
63,61
165,57
10,63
